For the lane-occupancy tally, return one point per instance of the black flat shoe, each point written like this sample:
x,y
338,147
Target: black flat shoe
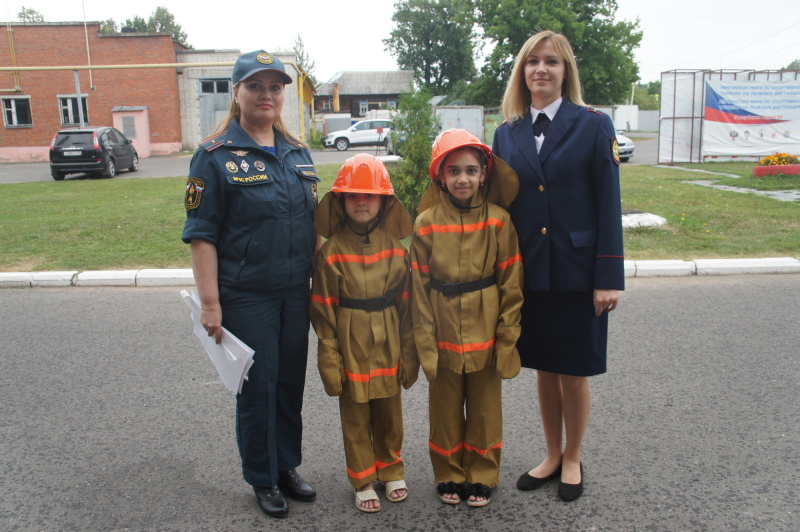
x,y
527,482
293,485
570,492
271,500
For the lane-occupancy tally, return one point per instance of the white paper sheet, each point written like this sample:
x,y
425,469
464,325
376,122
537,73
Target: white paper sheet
x,y
231,357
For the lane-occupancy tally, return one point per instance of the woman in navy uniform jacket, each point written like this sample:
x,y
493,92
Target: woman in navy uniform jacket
x,y
569,220
250,204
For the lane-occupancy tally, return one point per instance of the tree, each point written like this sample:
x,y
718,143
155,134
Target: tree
x,y
646,100
161,21
304,60
29,15
433,38
108,26
603,48
413,131
794,65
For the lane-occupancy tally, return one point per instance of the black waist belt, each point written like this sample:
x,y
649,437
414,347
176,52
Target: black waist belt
x,y
372,304
455,289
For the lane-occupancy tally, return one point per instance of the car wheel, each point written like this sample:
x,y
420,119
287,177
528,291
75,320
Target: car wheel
x,y
624,159
58,176
134,163
342,144
111,168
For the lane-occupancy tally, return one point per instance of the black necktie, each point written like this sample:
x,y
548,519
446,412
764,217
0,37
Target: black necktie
x,y
540,125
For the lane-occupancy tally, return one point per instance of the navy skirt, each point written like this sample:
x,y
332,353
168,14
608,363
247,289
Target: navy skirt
x,y
561,334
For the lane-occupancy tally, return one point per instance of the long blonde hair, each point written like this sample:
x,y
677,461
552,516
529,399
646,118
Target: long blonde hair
x,y
235,113
517,98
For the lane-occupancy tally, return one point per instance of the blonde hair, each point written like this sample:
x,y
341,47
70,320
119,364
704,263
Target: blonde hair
x,y
235,113
517,98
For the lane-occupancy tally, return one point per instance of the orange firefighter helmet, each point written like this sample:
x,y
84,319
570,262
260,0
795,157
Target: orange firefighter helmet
x,y
453,139
363,174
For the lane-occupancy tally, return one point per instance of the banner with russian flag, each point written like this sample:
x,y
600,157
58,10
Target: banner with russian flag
x,y
751,118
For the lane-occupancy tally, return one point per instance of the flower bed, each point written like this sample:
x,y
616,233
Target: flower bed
x,y
783,169
777,164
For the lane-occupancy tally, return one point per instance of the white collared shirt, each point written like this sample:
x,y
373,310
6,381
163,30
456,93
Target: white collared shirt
x,y
550,111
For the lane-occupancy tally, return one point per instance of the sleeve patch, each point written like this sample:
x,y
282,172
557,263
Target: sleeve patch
x,y
615,150
194,193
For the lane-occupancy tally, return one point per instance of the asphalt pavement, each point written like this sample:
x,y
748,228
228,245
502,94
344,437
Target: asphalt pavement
x,y
114,419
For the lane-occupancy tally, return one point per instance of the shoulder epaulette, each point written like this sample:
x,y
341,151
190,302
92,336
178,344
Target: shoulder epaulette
x,y
214,142
593,110
498,125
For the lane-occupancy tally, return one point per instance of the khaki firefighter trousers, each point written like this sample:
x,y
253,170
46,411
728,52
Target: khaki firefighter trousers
x,y
373,437
466,418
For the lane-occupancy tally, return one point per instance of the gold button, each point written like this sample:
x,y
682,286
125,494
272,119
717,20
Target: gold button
x,y
541,188
544,230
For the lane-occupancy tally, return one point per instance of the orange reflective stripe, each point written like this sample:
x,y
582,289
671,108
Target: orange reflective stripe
x,y
482,452
361,474
465,228
380,372
445,452
421,267
366,259
466,348
324,300
382,465
506,263
403,296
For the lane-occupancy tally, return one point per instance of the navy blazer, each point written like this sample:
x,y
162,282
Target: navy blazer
x,y
568,212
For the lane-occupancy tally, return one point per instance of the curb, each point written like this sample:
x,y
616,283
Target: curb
x,y
184,277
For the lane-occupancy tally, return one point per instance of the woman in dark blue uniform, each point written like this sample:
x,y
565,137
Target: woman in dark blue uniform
x,y
568,217
250,205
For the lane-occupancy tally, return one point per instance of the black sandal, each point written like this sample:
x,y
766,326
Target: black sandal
x,y
449,488
480,490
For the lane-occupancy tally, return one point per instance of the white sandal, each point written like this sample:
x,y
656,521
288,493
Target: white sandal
x,y
394,485
363,496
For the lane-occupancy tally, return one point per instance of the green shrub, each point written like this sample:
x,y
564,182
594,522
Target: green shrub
x,y
413,131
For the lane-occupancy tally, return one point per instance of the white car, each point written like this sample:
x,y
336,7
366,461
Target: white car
x,y
625,147
365,133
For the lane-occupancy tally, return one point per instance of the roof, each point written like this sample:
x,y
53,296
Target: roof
x,y
369,82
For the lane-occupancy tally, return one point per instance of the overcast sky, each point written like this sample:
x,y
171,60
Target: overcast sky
x,y
347,35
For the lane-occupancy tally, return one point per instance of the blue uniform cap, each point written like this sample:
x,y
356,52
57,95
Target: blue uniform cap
x,y
258,61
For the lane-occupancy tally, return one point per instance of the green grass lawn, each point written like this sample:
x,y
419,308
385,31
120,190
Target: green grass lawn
x,y
137,223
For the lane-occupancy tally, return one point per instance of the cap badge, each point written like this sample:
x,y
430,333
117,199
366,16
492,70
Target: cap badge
x,y
264,58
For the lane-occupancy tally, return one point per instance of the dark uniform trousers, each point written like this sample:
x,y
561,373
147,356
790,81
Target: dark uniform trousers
x,y
373,435
466,448
275,325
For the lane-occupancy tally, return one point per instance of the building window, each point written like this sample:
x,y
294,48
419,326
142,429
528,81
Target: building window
x,y
391,104
17,112
69,110
215,86
363,107
327,104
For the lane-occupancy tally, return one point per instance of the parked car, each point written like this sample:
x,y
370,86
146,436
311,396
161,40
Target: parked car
x,y
365,133
99,150
625,147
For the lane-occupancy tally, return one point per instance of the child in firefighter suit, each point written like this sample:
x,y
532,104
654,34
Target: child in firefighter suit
x,y
467,294
360,310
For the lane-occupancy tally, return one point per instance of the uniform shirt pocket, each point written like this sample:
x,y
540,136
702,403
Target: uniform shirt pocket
x,y
309,180
584,239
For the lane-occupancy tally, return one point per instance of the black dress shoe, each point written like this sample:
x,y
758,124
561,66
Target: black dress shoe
x,y
570,492
293,485
271,500
528,482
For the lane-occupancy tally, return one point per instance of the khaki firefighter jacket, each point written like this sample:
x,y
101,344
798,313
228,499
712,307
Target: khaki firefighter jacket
x,y
467,332
373,351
